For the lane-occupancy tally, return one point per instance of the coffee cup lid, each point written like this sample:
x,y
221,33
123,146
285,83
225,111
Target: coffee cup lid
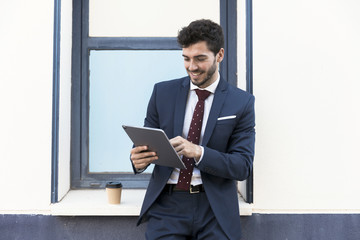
x,y
113,185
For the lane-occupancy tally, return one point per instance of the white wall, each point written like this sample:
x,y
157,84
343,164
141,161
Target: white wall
x,y
306,83
26,30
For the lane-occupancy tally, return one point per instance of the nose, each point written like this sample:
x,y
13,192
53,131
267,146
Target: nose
x,y
192,66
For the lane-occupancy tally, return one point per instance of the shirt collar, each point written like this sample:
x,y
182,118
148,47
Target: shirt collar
x,y
210,88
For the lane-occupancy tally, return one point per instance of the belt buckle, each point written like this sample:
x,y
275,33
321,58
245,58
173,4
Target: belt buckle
x,y
194,191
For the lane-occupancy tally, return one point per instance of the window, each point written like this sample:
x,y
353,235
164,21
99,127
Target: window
x,y
120,85
112,61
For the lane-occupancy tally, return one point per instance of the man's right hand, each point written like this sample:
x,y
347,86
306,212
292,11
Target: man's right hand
x,y
141,158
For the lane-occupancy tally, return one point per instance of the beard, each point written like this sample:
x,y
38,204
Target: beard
x,y
208,76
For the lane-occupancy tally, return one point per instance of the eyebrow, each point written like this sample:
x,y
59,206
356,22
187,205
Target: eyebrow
x,y
197,56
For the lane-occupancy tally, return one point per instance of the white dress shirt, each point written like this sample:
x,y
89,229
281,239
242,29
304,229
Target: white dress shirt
x,y
190,107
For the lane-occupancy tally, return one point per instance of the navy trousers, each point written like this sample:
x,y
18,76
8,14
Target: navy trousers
x,y
180,216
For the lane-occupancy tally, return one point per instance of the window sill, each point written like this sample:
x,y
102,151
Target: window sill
x,y
94,203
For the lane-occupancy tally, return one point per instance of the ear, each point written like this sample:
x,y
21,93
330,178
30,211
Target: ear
x,y
220,55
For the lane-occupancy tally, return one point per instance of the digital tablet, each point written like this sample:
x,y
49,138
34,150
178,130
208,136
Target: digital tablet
x,y
158,142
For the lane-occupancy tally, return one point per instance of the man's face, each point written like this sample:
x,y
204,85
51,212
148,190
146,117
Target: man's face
x,y
201,64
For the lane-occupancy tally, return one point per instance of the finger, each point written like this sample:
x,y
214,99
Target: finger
x,y
142,155
146,160
176,141
179,148
138,149
140,165
143,162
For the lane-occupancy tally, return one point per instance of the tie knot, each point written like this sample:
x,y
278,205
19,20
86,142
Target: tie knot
x,y
202,94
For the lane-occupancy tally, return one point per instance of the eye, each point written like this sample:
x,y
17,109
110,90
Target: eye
x,y
201,59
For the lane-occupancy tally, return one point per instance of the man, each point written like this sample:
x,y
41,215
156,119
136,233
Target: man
x,y
211,124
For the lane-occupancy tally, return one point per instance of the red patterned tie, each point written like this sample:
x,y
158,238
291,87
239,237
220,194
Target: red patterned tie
x,y
194,137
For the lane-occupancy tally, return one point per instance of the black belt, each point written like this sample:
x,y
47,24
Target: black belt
x,y
193,189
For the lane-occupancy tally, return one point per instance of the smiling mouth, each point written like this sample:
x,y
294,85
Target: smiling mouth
x,y
195,74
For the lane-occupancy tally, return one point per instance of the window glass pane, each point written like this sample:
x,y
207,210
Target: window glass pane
x,y
121,83
144,18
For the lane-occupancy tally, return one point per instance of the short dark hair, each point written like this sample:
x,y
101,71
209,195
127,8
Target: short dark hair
x,y
202,30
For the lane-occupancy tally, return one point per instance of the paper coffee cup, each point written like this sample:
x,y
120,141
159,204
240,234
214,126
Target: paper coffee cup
x,y
113,190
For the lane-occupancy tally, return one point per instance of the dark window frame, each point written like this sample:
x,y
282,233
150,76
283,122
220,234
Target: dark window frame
x,y
82,44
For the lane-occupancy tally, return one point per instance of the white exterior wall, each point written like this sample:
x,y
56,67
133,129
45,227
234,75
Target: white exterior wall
x,y
26,30
306,83
306,78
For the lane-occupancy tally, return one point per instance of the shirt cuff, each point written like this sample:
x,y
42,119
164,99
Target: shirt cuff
x,y
201,157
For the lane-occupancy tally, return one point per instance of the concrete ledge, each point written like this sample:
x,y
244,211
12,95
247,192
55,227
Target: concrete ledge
x,y
94,203
246,209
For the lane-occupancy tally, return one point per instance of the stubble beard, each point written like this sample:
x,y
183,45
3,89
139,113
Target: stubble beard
x,y
209,74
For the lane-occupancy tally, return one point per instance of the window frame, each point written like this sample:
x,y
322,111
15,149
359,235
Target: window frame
x,y
82,45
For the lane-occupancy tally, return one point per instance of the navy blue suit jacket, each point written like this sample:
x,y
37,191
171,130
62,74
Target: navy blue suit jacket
x,y
228,145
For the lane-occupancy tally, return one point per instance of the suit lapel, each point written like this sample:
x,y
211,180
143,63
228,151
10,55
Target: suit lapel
x,y
180,106
219,99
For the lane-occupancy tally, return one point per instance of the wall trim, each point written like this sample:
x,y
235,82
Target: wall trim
x,y
249,83
255,227
55,103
